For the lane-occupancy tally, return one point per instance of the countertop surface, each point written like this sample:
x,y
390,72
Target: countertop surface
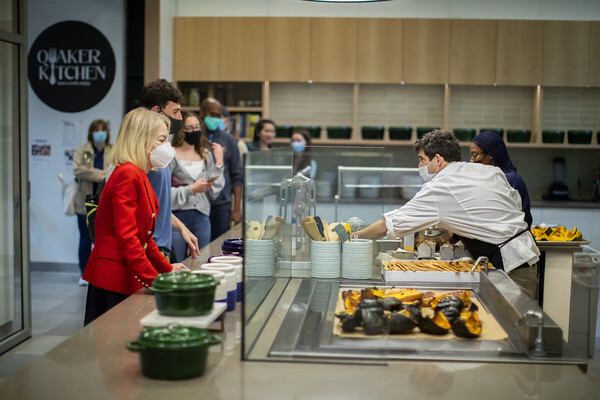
x,y
565,204
94,364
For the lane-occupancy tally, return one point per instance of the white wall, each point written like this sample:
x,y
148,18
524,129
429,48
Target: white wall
x,y
468,9
54,236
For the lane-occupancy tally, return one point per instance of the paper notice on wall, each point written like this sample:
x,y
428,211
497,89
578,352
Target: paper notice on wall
x,y
72,136
69,157
41,150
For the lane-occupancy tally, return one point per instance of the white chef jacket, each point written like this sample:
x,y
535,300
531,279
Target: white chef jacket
x,y
471,200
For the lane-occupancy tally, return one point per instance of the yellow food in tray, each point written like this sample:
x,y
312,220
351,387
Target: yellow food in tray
x,y
433,265
558,234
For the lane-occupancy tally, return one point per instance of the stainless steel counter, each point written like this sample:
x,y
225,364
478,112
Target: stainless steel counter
x,y
94,364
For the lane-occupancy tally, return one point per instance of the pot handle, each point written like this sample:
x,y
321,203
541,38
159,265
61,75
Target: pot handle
x,y
214,339
135,346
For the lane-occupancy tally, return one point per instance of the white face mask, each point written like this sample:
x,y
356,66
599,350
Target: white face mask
x,y
425,174
161,156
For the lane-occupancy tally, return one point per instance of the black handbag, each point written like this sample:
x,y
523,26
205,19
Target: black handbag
x,y
91,207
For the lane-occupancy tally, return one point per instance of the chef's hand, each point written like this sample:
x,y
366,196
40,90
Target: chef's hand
x,y
178,267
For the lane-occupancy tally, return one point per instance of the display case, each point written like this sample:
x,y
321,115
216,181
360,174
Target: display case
x,y
290,308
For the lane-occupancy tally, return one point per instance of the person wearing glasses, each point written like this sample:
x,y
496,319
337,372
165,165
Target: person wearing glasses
x,y
488,148
196,180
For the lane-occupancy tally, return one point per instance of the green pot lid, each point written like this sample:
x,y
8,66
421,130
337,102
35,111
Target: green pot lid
x,y
183,280
174,336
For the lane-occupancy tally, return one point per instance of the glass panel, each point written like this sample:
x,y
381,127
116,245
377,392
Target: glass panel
x,y
8,15
11,319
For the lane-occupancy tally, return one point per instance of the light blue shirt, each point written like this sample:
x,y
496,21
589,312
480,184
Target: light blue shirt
x,y
161,183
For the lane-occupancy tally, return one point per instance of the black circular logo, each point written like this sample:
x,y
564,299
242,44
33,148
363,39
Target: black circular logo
x,y
71,66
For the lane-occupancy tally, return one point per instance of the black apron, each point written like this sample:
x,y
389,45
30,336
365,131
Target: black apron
x,y
478,248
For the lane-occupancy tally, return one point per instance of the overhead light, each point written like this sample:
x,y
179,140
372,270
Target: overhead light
x,y
346,1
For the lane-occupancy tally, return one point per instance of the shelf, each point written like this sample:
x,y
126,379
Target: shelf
x,y
230,109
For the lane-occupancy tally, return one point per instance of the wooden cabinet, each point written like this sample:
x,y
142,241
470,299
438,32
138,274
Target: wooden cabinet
x,y
288,49
333,50
196,44
242,49
472,52
566,53
379,50
594,54
426,50
519,53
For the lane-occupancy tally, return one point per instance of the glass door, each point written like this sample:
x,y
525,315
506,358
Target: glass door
x,y
15,315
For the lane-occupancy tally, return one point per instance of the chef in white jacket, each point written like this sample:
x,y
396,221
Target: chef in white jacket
x,y
474,201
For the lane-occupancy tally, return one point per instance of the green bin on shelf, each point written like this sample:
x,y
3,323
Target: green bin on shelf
x,y
313,130
465,134
284,131
518,135
499,131
580,136
553,136
372,132
400,132
421,130
339,132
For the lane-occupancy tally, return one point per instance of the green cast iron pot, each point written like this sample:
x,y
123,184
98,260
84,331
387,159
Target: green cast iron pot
x,y
550,136
339,132
184,294
579,136
314,131
518,135
421,130
372,132
173,352
284,131
464,134
499,131
400,132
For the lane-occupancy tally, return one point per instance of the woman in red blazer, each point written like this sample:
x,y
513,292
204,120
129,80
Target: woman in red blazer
x,y
125,258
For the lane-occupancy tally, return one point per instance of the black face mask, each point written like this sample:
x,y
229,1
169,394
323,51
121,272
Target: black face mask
x,y
175,123
192,137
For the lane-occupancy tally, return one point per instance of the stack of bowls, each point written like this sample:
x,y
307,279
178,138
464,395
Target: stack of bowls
x,y
325,259
357,259
260,257
229,271
237,262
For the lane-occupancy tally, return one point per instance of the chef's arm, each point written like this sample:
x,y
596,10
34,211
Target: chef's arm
x,y
374,231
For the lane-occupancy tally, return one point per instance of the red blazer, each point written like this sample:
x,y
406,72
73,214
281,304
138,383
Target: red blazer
x,y
124,257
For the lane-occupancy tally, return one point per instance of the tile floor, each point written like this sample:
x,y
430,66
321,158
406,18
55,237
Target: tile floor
x,y
57,312
57,308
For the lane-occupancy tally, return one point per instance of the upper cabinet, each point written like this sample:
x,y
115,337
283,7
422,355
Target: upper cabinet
x,y
288,49
426,50
594,53
519,53
333,50
191,60
379,50
472,52
242,49
566,53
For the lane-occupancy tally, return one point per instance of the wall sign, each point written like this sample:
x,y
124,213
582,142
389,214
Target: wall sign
x,y
71,66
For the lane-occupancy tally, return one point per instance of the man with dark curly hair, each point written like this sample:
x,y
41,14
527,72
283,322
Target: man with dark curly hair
x,y
474,201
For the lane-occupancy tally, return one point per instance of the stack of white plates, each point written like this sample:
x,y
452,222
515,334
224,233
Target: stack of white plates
x,y
325,259
260,257
357,259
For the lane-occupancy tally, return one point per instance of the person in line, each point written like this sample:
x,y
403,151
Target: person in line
x,y
163,97
301,143
264,134
488,148
200,170
474,201
90,163
125,258
226,208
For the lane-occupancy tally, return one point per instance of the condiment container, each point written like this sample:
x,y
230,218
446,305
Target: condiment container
x,y
237,262
184,294
173,352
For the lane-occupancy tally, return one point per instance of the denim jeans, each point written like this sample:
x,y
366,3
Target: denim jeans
x,y
85,242
219,219
198,224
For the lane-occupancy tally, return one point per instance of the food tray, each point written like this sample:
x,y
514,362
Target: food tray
x,y
491,328
429,276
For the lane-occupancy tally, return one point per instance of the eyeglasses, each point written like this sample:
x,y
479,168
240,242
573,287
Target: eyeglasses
x,y
475,155
191,128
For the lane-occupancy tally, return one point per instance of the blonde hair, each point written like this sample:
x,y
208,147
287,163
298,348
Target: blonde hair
x,y
136,136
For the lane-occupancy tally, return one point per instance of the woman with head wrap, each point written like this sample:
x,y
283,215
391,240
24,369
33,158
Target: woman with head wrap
x,y
488,148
